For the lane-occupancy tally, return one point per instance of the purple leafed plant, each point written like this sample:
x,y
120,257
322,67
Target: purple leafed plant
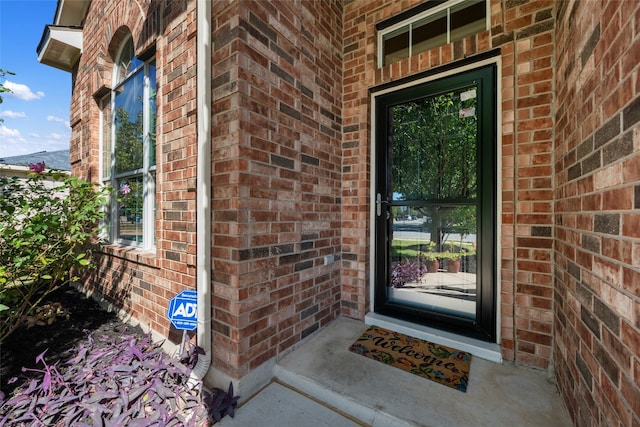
x,y
406,271
189,356
220,403
131,383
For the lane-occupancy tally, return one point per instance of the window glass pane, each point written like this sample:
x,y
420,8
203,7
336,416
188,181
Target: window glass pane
x,y
396,45
128,63
125,60
129,125
135,64
130,212
467,18
152,113
429,33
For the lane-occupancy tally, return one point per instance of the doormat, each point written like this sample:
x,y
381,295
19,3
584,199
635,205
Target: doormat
x,y
444,365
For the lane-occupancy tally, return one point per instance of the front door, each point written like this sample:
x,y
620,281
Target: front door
x,y
435,203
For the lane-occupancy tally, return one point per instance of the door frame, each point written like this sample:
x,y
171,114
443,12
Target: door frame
x,y
470,64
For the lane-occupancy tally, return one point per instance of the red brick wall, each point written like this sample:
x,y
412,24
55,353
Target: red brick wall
x,y
138,281
597,174
527,219
523,31
276,176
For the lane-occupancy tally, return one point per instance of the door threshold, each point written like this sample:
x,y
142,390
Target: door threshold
x,y
482,349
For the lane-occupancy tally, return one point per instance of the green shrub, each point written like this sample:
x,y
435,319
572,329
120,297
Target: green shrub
x,y
45,236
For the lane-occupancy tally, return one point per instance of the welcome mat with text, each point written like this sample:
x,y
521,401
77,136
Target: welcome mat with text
x,y
444,365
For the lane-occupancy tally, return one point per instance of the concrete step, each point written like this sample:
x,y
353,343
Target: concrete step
x,y
379,395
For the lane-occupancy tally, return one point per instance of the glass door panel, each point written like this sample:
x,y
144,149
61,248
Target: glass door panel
x,y
433,208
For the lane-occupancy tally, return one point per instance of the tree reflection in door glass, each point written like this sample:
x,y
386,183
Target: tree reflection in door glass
x,y
433,260
434,147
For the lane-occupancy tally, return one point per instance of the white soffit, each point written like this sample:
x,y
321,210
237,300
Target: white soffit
x,y
61,43
71,12
60,47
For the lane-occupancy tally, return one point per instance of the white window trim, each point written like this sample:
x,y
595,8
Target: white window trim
x,y
106,224
420,16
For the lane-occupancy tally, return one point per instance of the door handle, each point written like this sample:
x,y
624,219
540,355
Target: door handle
x,y
379,203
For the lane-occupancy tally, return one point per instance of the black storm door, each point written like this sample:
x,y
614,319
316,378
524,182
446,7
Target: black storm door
x,y
435,203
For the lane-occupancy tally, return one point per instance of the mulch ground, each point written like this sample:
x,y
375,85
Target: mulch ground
x,y
61,338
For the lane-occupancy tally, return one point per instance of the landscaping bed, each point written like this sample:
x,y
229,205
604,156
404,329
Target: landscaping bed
x,y
60,337
89,368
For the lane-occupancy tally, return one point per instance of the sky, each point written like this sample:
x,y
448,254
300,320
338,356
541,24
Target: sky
x,y
36,115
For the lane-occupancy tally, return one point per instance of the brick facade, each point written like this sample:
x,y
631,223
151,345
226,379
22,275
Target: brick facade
x,y
276,176
597,197
291,176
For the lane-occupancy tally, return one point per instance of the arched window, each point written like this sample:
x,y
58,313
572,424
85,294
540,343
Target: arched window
x,y
129,140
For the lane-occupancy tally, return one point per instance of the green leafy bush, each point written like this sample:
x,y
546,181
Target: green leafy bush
x,y
46,224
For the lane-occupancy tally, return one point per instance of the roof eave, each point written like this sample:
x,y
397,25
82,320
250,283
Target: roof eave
x,y
60,47
71,13
61,43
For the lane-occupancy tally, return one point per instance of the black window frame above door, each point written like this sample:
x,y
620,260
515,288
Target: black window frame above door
x,y
484,325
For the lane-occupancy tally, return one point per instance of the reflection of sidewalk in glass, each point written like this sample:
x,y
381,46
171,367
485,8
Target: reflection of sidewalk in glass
x,y
452,293
130,230
407,234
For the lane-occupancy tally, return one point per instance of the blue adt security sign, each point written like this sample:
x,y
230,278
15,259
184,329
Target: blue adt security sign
x,y
183,310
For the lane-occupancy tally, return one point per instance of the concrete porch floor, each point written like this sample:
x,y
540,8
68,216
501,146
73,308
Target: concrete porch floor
x,y
321,383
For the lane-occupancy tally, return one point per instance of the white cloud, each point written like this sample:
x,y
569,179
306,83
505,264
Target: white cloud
x,y
57,136
12,114
10,133
58,120
21,91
